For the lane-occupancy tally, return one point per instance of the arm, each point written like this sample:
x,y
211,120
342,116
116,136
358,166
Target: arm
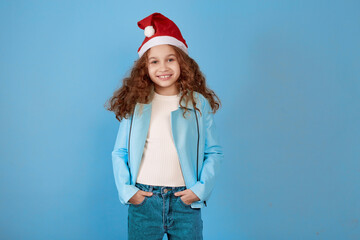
x,y
120,160
213,157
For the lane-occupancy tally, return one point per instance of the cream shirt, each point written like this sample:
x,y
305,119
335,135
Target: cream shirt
x,y
160,164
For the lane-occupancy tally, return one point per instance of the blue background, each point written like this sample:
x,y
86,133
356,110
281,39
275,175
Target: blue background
x,y
287,73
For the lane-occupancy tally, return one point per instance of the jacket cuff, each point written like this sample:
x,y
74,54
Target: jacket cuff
x,y
128,192
199,189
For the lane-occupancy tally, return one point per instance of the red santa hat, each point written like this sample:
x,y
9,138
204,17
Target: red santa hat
x,y
159,30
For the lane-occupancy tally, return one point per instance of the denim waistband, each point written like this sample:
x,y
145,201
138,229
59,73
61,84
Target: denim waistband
x,y
158,189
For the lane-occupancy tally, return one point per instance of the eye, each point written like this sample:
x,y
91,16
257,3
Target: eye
x,y
153,62
171,59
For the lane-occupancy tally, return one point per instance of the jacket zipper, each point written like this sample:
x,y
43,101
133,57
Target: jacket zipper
x,y
128,163
197,152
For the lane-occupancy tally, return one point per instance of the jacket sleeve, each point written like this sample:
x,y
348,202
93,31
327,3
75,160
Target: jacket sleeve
x,y
119,161
213,157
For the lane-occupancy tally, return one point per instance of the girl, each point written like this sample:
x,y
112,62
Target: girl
x,y
166,156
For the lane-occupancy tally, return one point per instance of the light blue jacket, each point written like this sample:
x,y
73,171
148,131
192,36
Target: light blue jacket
x,y
195,140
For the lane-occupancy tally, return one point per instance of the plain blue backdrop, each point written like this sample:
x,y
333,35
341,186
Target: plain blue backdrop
x,y
288,76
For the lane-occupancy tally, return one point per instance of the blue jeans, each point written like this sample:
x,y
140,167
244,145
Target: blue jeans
x,y
163,213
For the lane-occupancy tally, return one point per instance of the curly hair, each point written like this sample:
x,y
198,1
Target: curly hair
x,y
138,87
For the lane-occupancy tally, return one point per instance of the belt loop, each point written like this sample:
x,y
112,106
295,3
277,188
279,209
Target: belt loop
x,y
151,188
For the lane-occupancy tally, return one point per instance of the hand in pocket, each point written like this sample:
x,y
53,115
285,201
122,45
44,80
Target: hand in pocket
x,y
139,197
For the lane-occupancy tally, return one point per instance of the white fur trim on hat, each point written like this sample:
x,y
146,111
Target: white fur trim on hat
x,y
162,40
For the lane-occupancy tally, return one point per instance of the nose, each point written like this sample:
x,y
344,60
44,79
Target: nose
x,y
163,66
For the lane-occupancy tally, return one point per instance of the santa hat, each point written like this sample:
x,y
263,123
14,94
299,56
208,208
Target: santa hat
x,y
158,30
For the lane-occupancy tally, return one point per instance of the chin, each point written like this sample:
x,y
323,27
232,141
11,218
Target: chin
x,y
162,84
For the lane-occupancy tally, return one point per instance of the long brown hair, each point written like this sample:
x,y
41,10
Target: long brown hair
x,y
138,87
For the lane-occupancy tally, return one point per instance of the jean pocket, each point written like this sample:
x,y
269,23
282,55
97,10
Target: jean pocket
x,y
142,203
186,205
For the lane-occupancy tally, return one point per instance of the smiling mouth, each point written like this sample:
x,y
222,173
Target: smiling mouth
x,y
165,77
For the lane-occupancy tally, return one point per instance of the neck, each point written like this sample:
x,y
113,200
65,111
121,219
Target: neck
x,y
167,92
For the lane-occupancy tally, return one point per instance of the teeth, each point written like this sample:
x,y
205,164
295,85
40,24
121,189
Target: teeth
x,y
166,76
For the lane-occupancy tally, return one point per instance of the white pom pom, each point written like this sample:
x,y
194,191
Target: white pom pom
x,y
149,31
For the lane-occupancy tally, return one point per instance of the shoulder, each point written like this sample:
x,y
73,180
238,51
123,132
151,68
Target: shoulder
x,y
203,102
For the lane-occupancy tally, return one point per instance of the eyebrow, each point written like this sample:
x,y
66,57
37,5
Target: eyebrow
x,y
171,54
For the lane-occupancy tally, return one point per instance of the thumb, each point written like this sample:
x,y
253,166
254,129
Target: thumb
x,y
147,193
179,193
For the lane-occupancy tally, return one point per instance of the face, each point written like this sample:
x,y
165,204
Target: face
x,y
163,69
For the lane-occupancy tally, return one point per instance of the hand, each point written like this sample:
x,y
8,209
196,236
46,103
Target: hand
x,y
139,197
188,196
